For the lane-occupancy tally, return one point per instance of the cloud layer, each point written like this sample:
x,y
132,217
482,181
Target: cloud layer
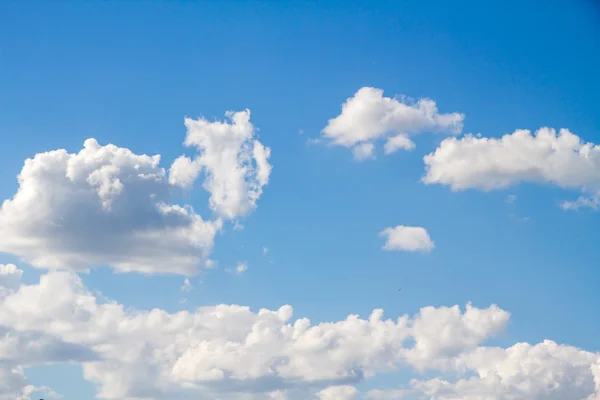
x,y
368,117
230,351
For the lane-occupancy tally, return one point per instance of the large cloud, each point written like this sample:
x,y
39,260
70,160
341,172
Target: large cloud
x,y
235,163
368,116
231,352
102,205
228,349
561,159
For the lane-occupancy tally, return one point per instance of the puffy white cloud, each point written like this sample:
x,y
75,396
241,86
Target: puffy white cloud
x,y
368,116
343,392
407,238
363,151
561,159
546,371
102,205
398,142
235,163
224,350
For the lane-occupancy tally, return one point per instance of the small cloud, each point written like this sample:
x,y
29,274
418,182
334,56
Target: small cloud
x,y
511,198
301,131
313,141
237,226
183,301
407,238
592,203
240,269
187,286
265,250
363,151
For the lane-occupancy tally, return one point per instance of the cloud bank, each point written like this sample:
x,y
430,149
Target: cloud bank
x,y
230,351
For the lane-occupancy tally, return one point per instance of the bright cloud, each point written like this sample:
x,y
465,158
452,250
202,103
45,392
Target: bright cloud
x,y
225,349
368,116
561,159
344,392
235,163
102,205
231,352
407,238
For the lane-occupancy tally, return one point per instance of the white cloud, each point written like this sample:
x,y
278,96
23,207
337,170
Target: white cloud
x,y
231,352
235,163
368,116
241,268
343,392
187,286
407,238
363,151
511,198
561,159
102,205
265,250
546,371
223,350
398,142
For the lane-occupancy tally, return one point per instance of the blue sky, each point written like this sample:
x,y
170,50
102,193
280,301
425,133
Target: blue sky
x,y
128,74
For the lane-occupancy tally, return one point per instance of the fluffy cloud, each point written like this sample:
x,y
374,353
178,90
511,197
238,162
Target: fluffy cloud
x,y
230,352
368,116
226,349
546,371
561,159
407,238
102,205
235,163
343,392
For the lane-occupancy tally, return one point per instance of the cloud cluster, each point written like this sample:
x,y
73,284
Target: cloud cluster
x,y
407,238
235,163
368,117
104,205
230,351
561,159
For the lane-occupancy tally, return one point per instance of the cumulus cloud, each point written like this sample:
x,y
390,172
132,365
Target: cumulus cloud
x,y
343,392
236,165
231,352
224,350
561,159
368,116
546,371
407,238
104,205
